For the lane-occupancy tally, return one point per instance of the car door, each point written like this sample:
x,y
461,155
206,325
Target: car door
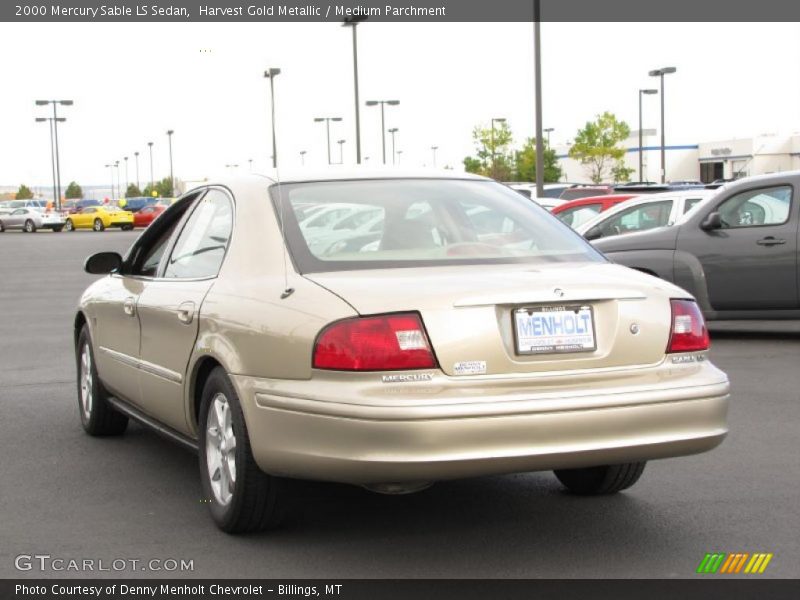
x,y
16,219
84,218
169,307
750,262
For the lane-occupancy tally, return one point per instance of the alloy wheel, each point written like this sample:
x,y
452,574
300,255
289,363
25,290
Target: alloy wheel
x,y
86,382
221,449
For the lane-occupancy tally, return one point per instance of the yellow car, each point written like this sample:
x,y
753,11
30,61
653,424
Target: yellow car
x,y
98,218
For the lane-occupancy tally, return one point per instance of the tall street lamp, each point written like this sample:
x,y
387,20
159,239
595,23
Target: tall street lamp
x,y
537,102
152,182
136,155
55,104
495,120
171,177
393,130
119,180
383,120
660,74
302,158
250,162
353,22
548,131
328,130
126,175
271,74
641,162
52,151
434,148
341,154
111,170
399,156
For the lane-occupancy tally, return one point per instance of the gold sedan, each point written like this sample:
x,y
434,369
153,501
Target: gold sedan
x,y
389,330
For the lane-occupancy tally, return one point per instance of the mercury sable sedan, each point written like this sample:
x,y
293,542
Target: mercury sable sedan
x,y
430,349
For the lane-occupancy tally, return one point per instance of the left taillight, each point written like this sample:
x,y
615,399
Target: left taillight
x,y
376,343
689,332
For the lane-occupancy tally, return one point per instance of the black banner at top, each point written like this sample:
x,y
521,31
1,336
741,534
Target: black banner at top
x,y
397,10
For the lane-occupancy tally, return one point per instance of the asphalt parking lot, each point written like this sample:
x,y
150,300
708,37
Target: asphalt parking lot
x,y
68,495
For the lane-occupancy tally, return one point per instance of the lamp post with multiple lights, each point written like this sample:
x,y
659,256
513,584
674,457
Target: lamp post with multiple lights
x,y
55,122
641,162
171,177
548,131
303,158
271,74
393,130
52,151
136,156
383,120
110,167
327,121
353,22
341,153
660,74
434,149
126,176
152,182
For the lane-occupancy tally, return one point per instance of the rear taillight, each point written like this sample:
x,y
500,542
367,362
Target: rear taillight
x,y
381,343
689,332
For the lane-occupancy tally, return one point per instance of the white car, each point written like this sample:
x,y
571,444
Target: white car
x,y
643,213
6,208
31,219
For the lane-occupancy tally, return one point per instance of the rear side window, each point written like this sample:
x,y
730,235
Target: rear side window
x,y
638,218
201,246
755,208
578,215
690,204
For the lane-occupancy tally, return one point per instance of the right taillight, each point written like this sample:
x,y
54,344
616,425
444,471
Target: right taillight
x,y
688,332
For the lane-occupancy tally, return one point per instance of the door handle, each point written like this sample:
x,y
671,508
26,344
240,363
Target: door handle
x,y
770,241
129,306
186,312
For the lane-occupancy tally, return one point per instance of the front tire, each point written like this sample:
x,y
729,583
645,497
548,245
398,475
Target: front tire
x,y
242,498
30,226
98,417
98,225
597,481
69,226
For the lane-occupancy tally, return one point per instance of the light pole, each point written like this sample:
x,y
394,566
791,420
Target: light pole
x,y
152,182
55,104
399,155
111,170
328,130
171,177
271,74
341,154
302,158
537,86
136,155
393,130
383,120
126,175
250,162
119,180
52,151
498,120
434,148
641,162
353,22
660,74
548,131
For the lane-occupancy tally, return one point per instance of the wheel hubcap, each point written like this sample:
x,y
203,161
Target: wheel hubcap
x,y
86,381
221,449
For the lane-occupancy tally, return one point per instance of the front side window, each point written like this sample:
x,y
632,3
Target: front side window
x,y
578,215
754,208
384,223
201,246
638,218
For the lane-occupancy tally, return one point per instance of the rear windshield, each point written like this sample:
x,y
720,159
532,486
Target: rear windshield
x,y
375,224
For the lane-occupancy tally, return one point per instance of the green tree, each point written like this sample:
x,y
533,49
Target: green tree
x,y
162,188
133,191
74,191
24,193
621,173
525,167
596,145
494,157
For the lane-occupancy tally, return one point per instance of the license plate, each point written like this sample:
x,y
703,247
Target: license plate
x,y
554,329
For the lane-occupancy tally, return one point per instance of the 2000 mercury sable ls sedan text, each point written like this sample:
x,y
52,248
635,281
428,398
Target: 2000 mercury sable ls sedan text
x,y
458,330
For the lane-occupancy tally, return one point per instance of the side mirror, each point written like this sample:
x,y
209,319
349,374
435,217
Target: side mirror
x,y
712,221
103,263
593,233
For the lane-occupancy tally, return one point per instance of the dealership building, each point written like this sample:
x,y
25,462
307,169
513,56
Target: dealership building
x,y
706,161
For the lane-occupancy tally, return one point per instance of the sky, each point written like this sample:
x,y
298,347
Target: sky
x,y
131,82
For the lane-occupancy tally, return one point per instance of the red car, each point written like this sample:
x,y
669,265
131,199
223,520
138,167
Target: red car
x,y
577,212
144,216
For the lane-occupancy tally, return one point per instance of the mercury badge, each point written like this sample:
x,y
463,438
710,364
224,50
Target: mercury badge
x,y
559,292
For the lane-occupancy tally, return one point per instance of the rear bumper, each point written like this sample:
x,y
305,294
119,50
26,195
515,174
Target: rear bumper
x,y
442,436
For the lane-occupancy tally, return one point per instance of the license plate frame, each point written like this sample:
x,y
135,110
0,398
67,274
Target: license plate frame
x,y
577,345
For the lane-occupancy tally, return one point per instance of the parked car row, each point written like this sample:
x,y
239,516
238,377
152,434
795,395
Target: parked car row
x,y
89,214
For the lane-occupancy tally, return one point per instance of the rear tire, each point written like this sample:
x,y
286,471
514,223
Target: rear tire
x,y
98,417
30,226
69,226
597,481
98,225
242,498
